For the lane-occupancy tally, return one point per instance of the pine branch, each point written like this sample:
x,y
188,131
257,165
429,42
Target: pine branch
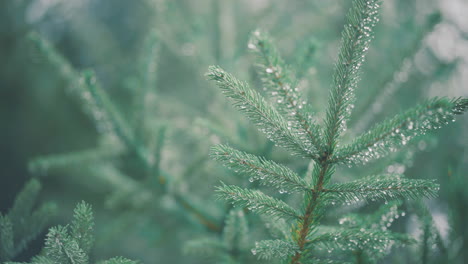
x,y
62,248
325,261
35,224
381,219
146,94
44,163
306,58
396,132
356,38
198,212
6,238
235,232
274,249
23,205
205,247
42,260
104,112
23,223
265,171
72,244
378,98
278,228
352,239
118,260
60,63
82,226
278,81
260,112
257,201
380,187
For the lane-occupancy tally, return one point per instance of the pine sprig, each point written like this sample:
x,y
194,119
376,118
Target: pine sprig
x,y
278,80
258,168
356,38
104,110
366,238
305,58
274,249
24,202
352,239
23,222
260,112
82,226
71,244
381,219
235,232
7,247
396,132
205,247
146,95
380,187
101,153
62,248
118,260
256,200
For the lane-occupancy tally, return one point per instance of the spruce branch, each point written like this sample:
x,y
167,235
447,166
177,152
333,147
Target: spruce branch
x,y
23,223
381,219
229,246
205,247
118,260
105,110
278,80
62,248
46,48
326,261
199,213
278,228
146,95
258,168
274,249
71,244
260,112
235,232
42,260
352,239
6,238
378,98
305,58
356,38
396,132
24,203
101,153
380,187
255,200
431,237
82,226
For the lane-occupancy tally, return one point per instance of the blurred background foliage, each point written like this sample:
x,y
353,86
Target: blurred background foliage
x,y
420,50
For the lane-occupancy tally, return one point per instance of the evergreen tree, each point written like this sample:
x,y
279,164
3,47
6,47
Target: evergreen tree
x,y
289,123
150,165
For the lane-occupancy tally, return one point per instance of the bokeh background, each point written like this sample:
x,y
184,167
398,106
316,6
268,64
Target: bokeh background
x,y
420,51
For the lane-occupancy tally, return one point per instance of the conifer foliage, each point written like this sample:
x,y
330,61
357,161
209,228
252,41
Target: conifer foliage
x,y
23,223
72,244
287,121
